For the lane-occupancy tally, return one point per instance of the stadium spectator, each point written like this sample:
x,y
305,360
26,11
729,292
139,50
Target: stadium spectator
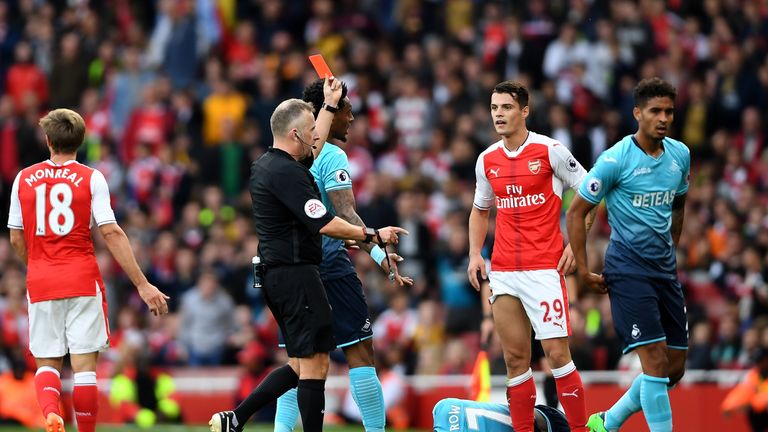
x,y
206,320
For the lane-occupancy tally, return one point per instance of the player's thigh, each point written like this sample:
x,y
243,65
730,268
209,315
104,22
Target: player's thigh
x,y
674,315
511,322
297,296
47,325
351,321
86,324
635,311
545,298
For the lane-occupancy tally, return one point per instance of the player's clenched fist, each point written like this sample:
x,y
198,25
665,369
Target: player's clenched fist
x,y
593,282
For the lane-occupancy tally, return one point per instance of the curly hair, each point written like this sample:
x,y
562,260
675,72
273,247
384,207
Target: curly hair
x,y
313,94
650,88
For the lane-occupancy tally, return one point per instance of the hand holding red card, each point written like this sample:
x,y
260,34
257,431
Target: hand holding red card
x,y
321,67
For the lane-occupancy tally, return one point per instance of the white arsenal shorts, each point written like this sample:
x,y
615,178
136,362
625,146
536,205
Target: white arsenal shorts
x,y
543,295
77,325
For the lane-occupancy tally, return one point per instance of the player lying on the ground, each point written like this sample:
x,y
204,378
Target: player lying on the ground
x,y
464,415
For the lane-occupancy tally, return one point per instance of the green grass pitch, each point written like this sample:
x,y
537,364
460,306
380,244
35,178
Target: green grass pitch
x,y
174,428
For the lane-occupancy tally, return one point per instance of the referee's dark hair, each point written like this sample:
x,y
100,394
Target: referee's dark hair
x,y
650,88
313,94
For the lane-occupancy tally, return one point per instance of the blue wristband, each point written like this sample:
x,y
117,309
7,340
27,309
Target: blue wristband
x,y
378,255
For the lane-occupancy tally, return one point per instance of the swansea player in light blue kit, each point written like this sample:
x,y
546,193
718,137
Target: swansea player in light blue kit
x,y
644,180
351,324
450,415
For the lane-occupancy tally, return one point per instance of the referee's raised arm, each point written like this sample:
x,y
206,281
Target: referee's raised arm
x,y
290,218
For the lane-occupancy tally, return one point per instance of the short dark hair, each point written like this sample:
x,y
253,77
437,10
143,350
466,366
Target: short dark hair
x,y
515,89
650,88
556,419
313,94
65,130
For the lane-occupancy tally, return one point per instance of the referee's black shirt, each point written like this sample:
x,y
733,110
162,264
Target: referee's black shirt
x,y
287,210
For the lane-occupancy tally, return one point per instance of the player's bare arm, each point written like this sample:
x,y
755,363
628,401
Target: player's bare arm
x,y
478,229
678,214
19,244
332,93
567,263
118,244
577,233
345,206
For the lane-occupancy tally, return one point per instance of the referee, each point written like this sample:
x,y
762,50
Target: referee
x,y
290,219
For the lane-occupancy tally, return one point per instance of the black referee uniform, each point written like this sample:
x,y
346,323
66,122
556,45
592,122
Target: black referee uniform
x,y
289,216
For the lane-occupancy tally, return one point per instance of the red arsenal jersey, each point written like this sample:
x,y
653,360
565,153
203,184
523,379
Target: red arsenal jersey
x,y
53,204
526,186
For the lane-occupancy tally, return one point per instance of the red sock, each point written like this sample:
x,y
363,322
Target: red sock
x,y
85,399
521,397
570,392
48,388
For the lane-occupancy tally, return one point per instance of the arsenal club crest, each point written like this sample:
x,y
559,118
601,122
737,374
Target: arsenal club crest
x,y
534,166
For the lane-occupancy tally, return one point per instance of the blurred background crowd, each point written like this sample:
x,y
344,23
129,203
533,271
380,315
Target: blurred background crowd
x,y
177,96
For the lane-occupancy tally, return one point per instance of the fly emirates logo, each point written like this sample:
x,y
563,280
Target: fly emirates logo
x,y
516,198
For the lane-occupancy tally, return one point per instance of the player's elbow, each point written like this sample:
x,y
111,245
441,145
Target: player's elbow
x,y
111,231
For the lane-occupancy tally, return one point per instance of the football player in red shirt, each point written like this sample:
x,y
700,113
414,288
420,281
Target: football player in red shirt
x,y
52,203
524,175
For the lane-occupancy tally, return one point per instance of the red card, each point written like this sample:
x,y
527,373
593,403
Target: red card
x,y
321,67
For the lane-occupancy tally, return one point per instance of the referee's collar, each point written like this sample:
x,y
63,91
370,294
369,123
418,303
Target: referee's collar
x,y
280,152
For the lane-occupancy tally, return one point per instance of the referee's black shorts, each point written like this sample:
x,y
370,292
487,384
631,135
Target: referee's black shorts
x,y
297,299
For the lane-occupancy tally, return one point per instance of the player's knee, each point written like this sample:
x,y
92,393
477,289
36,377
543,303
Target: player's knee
x,y
676,375
558,356
517,361
360,354
654,360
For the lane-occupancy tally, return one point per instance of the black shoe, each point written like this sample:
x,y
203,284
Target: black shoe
x,y
222,422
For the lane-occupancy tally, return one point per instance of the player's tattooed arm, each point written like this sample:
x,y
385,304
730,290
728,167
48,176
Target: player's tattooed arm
x,y
344,204
678,214
590,219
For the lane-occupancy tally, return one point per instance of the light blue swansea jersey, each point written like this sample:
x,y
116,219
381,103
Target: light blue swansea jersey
x,y
638,191
331,173
451,415
465,415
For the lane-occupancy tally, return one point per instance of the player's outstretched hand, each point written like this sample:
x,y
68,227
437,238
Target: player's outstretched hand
x,y
476,271
567,263
154,298
389,235
594,282
394,272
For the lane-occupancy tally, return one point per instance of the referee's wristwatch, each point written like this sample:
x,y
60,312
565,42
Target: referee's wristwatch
x,y
369,234
330,108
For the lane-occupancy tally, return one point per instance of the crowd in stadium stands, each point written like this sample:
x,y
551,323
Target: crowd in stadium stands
x,y
177,96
